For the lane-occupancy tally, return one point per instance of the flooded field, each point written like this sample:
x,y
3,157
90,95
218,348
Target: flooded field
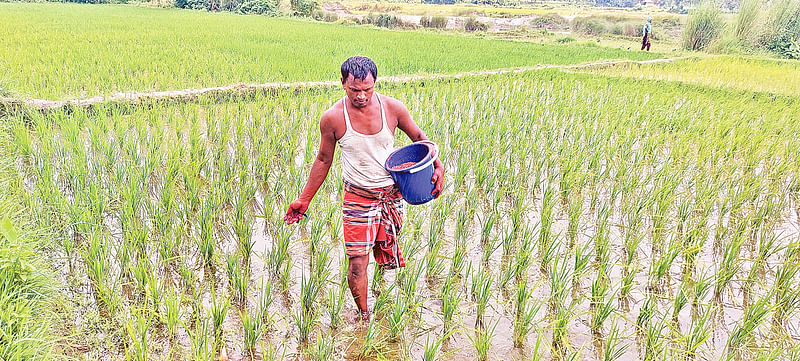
x,y
584,218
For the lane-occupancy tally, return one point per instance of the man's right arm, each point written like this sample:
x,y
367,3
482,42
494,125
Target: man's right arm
x,y
319,171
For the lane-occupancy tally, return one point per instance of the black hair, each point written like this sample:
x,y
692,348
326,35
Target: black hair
x,y
359,67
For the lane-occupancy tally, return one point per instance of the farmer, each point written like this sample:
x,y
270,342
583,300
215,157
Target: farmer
x,y
363,123
647,30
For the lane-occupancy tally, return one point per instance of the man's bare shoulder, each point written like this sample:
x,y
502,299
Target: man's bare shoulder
x,y
333,119
395,106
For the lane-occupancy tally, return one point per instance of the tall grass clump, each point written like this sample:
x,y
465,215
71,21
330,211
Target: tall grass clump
x,y
704,26
746,20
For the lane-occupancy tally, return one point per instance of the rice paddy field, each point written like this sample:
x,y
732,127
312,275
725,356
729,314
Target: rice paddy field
x,y
80,51
586,216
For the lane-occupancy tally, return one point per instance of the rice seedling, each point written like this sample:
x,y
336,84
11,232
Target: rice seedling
x,y
238,279
372,341
450,300
432,347
137,329
253,328
613,350
171,315
219,311
322,350
482,340
524,315
744,333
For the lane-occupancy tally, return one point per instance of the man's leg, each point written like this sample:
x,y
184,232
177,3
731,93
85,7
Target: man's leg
x,y
648,46
357,280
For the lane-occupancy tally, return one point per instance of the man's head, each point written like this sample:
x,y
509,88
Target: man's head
x,y
649,19
358,79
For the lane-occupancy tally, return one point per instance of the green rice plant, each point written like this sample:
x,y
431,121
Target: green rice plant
x,y
219,311
787,294
304,320
398,318
613,350
172,311
698,333
434,264
432,347
201,341
322,350
482,292
743,333
486,227
450,300
581,263
411,275
600,313
574,211
136,329
458,259
252,329
243,222
238,279
383,301
654,343
206,242
646,313
525,313
730,264
680,300
377,280
482,341
372,341
265,300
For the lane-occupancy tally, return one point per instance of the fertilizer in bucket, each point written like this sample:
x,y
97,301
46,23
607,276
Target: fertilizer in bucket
x,y
411,168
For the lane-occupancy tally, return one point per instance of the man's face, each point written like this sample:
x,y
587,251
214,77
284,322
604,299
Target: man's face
x,y
359,91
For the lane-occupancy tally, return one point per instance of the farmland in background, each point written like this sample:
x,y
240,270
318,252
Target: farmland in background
x,y
55,51
749,74
647,211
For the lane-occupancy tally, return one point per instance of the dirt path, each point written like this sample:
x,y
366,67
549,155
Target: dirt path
x,y
132,98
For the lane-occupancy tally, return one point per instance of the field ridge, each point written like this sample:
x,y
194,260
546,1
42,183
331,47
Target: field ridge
x,y
9,105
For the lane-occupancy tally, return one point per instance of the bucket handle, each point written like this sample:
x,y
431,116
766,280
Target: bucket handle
x,y
424,165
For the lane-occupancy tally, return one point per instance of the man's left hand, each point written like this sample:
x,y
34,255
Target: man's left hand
x,y
438,180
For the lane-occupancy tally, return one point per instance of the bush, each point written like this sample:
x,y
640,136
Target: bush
x,y
591,25
473,24
565,39
436,22
303,7
550,22
388,21
326,16
260,7
782,30
703,27
193,4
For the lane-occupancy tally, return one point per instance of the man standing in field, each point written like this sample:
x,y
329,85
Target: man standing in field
x,y
363,123
646,31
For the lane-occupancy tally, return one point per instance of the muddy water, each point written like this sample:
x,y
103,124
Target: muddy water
x,y
348,336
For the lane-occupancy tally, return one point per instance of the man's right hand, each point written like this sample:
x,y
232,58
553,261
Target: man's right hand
x,y
296,211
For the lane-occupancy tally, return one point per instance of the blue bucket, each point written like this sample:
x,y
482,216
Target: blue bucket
x,y
415,181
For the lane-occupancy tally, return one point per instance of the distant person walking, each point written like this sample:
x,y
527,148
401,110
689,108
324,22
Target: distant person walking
x,y
363,123
646,31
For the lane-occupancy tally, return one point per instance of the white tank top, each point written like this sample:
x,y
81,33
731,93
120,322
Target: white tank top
x,y
363,155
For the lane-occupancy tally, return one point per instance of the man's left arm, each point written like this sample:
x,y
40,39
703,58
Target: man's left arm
x,y
408,126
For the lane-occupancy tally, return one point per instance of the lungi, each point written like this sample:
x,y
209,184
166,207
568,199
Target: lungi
x,y
372,220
